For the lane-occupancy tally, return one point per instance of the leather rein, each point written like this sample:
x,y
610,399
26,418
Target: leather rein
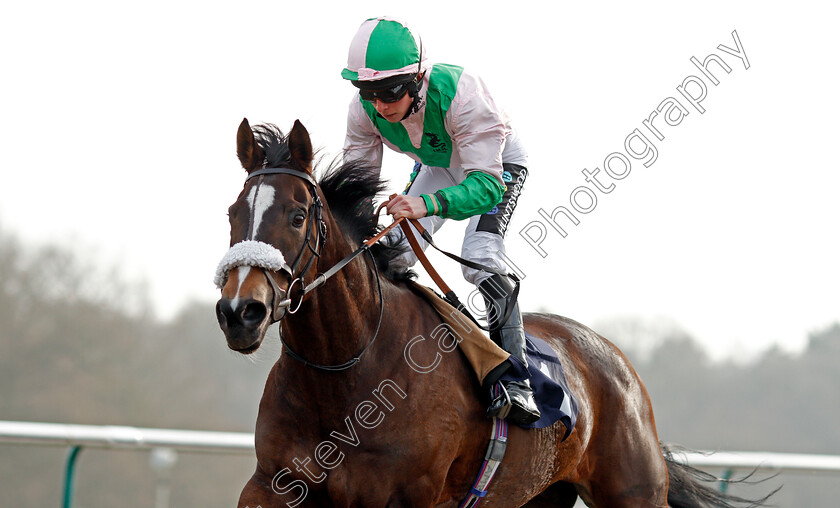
x,y
281,300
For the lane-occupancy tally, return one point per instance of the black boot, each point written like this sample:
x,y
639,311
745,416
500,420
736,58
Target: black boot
x,y
497,292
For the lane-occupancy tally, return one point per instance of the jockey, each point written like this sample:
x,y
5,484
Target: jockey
x,y
469,164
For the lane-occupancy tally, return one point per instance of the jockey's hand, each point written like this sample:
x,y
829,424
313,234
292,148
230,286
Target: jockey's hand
x,y
410,207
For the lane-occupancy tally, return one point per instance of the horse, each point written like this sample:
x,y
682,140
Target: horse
x,y
345,420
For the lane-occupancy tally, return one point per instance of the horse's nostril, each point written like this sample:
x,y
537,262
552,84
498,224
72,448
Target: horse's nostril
x,y
248,313
253,314
222,311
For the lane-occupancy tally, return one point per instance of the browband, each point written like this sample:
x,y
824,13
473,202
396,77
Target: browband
x,y
282,171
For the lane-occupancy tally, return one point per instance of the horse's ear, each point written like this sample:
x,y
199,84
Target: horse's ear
x,y
250,154
300,147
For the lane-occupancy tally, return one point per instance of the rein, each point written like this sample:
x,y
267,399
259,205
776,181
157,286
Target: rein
x,y
450,295
356,359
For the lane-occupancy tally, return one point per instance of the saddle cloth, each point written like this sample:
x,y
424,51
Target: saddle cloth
x,y
548,380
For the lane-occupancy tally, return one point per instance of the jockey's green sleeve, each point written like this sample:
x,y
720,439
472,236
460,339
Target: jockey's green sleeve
x,y
477,194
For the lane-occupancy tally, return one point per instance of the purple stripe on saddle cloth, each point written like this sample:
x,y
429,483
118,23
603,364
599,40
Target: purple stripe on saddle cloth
x,y
551,391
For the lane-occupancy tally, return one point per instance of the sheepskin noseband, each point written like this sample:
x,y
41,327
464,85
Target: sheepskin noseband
x,y
250,253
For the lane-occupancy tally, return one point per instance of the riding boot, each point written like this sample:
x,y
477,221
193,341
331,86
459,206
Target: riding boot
x,y
498,293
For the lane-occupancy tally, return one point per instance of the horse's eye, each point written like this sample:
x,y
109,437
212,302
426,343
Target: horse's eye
x,y
297,220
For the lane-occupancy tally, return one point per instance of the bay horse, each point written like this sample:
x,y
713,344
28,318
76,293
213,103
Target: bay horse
x,y
345,420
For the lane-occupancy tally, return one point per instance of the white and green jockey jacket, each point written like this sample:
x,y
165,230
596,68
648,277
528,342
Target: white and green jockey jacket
x,y
457,126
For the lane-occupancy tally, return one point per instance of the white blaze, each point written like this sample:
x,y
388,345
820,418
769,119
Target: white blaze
x,y
241,274
260,199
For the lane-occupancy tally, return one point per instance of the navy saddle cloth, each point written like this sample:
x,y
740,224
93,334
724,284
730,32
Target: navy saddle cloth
x,y
551,391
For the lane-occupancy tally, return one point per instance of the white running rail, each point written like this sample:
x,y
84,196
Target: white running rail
x,y
802,462
107,436
111,436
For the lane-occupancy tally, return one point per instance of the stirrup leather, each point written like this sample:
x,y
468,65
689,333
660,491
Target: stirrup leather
x,y
501,404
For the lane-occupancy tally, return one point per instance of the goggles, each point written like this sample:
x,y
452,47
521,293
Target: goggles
x,y
391,94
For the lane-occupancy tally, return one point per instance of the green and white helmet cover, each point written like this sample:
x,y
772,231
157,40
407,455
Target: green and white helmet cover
x,y
382,48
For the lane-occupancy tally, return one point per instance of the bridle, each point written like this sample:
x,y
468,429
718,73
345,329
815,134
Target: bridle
x,y
281,300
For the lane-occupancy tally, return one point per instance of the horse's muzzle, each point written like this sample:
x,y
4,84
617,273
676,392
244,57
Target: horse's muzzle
x,y
243,322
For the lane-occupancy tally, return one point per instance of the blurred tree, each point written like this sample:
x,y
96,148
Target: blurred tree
x,y
79,345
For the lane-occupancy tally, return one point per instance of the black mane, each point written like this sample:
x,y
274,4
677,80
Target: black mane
x,y
350,189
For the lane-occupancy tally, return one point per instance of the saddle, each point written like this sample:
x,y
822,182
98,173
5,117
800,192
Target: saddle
x,y
551,391
482,353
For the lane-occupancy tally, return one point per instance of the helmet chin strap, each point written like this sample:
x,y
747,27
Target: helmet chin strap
x,y
416,86
414,92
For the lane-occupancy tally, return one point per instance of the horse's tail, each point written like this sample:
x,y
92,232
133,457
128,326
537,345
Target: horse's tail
x,y
690,487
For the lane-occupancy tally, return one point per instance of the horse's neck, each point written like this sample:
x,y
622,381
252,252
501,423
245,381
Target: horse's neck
x,y
338,319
